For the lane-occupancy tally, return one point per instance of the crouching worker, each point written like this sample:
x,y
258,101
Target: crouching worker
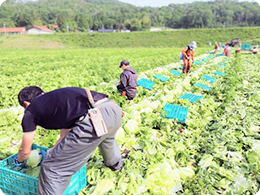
x,y
68,109
188,56
226,50
128,81
255,50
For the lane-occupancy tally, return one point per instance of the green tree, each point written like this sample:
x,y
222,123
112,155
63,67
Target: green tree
x,y
108,22
116,15
62,22
35,18
146,22
136,24
23,19
82,22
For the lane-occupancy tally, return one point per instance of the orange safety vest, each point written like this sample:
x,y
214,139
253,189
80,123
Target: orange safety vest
x,y
188,52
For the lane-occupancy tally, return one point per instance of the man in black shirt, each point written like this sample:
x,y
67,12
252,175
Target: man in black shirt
x,y
67,109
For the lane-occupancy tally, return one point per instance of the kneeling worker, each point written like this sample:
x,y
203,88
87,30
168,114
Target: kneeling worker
x,y
68,109
128,81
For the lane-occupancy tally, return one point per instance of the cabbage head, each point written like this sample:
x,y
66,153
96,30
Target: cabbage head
x,y
34,159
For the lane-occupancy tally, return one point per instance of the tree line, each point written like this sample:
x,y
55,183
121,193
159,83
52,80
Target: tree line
x,y
83,15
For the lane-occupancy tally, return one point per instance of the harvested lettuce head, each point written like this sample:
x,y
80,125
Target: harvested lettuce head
x,y
34,159
34,172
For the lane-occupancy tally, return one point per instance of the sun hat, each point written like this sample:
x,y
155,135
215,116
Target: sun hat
x,y
193,45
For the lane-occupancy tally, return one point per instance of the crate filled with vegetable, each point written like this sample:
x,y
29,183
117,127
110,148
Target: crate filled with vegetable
x,y
23,180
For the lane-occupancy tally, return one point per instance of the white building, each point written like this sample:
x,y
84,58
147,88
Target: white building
x,y
125,31
35,30
154,29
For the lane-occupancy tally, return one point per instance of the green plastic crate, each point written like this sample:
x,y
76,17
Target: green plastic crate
x,y
14,182
246,46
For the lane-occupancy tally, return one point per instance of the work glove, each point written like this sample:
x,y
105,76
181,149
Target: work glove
x,y
18,164
43,153
123,94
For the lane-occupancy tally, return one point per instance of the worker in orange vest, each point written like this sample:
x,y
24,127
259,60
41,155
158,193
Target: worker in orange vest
x,y
188,55
216,48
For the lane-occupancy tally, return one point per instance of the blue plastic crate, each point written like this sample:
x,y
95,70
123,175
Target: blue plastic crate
x,y
175,72
176,112
246,46
202,86
220,65
197,63
191,97
220,73
161,78
208,78
14,181
220,55
146,84
181,68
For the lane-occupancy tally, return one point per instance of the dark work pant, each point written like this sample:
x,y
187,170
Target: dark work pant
x,y
130,93
76,148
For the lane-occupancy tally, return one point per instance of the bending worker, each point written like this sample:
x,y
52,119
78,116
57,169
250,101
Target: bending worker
x,y
216,48
188,55
67,109
226,50
128,81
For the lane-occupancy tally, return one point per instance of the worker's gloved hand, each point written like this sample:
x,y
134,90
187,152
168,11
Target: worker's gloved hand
x,y
122,113
123,94
19,164
43,153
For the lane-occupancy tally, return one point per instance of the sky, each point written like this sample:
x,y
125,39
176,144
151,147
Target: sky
x,y
1,1
159,3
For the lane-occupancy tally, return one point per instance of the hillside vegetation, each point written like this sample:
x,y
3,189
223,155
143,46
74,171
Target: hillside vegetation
x,y
82,15
132,40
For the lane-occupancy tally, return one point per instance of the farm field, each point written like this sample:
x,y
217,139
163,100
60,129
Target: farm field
x,y
216,152
53,69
